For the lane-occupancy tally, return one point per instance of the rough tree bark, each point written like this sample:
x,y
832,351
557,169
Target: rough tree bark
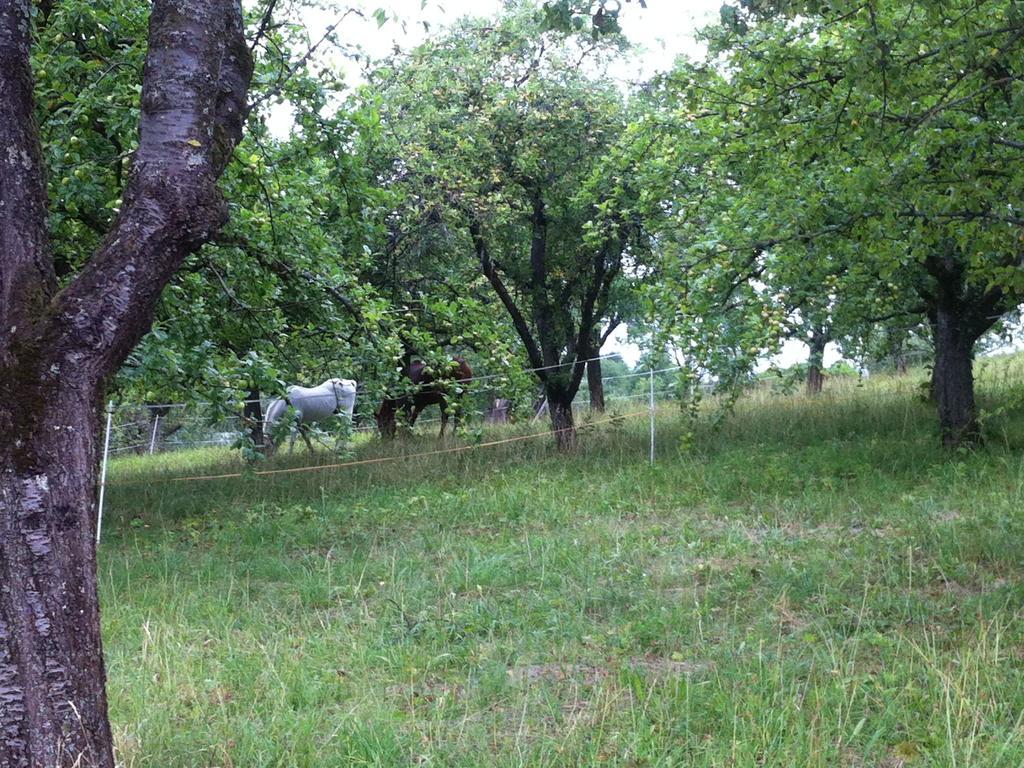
x,y
58,347
953,378
562,423
816,360
959,314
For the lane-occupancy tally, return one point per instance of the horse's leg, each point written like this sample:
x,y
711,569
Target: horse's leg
x,y
417,409
384,417
291,432
456,415
391,421
442,406
304,431
340,435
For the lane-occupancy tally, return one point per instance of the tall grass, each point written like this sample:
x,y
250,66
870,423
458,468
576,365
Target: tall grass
x,y
806,581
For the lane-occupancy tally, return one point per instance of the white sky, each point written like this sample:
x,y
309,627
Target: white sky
x,y
662,31
792,352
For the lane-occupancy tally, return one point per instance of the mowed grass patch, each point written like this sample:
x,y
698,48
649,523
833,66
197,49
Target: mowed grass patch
x,y
813,582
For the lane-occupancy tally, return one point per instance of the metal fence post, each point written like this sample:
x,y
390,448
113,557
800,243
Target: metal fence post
x,y
652,413
103,472
152,440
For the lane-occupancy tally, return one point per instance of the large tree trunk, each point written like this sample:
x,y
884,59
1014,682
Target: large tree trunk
x,y
953,378
57,348
959,314
53,708
595,383
816,361
562,422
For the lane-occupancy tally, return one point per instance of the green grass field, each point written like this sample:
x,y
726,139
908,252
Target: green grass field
x,y
810,583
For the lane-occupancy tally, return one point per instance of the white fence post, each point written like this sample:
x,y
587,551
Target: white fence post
x,y
152,440
540,411
103,472
652,413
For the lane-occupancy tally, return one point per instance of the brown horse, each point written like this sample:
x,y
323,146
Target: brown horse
x,y
429,391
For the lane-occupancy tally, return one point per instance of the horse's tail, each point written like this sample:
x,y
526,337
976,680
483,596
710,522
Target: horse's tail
x,y
275,412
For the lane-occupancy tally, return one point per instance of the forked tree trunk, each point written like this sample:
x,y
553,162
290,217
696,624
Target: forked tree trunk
x,y
59,345
953,378
547,345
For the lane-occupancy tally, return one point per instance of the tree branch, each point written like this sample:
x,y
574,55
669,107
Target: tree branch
x,y
1008,143
195,79
614,323
521,326
265,22
27,279
591,305
974,36
289,72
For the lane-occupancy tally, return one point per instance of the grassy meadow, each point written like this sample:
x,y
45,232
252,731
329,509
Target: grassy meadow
x,y
804,582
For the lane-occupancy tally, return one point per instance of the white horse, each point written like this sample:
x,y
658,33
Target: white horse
x,y
311,404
